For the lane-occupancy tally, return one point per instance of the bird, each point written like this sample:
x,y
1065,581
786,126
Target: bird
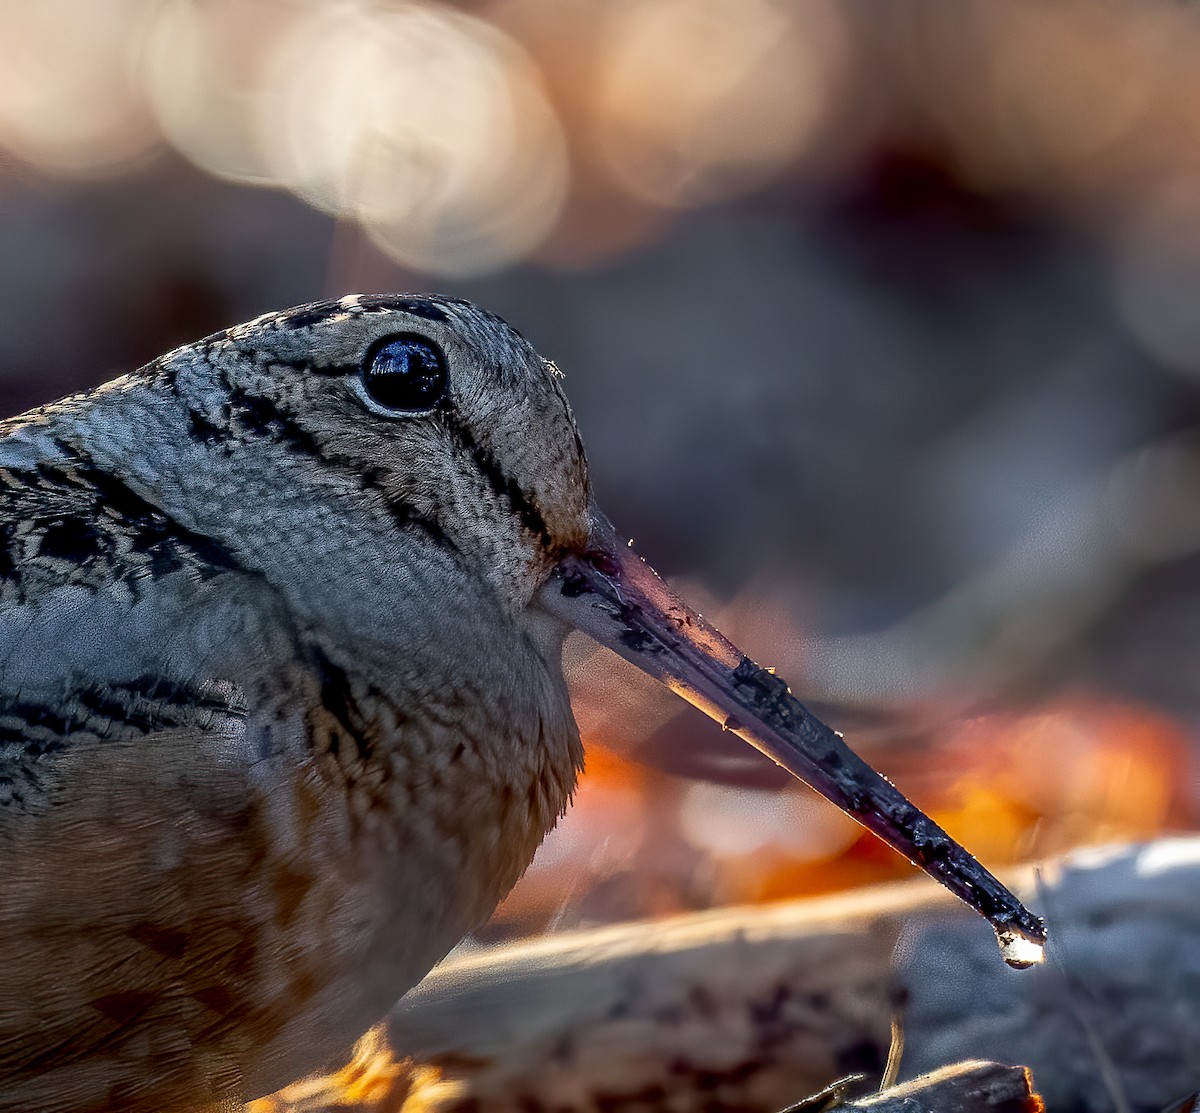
x,y
282,708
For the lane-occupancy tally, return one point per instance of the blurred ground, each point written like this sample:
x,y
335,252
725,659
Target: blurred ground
x,y
882,325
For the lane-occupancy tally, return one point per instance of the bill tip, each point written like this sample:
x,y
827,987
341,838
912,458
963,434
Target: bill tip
x,y
1019,950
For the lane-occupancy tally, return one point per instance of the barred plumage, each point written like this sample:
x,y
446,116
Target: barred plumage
x,y
282,713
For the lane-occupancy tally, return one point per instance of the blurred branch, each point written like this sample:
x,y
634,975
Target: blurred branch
x,y
975,1086
748,1008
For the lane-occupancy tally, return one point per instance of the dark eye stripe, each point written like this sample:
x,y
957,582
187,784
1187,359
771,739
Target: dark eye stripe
x,y
502,484
260,416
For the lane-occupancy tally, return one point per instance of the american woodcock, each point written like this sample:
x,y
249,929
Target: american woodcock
x,y
282,714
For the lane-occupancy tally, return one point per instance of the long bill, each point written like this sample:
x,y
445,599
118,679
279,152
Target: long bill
x,y
611,594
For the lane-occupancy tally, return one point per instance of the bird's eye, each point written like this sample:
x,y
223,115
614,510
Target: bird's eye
x,y
405,374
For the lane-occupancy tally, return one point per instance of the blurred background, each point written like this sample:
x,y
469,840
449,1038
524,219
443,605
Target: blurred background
x,y
881,322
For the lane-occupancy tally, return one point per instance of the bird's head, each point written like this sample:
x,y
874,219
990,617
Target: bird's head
x,y
435,421
422,418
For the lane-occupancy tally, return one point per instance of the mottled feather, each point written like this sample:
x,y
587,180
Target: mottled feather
x,y
276,725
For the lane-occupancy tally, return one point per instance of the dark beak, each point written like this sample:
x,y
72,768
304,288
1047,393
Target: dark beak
x,y
611,594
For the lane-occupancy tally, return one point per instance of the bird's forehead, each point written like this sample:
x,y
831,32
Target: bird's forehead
x,y
338,332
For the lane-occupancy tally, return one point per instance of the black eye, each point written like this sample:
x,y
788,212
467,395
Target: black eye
x,y
406,374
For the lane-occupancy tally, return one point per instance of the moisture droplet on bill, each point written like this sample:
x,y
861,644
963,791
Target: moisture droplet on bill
x,y
1018,950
